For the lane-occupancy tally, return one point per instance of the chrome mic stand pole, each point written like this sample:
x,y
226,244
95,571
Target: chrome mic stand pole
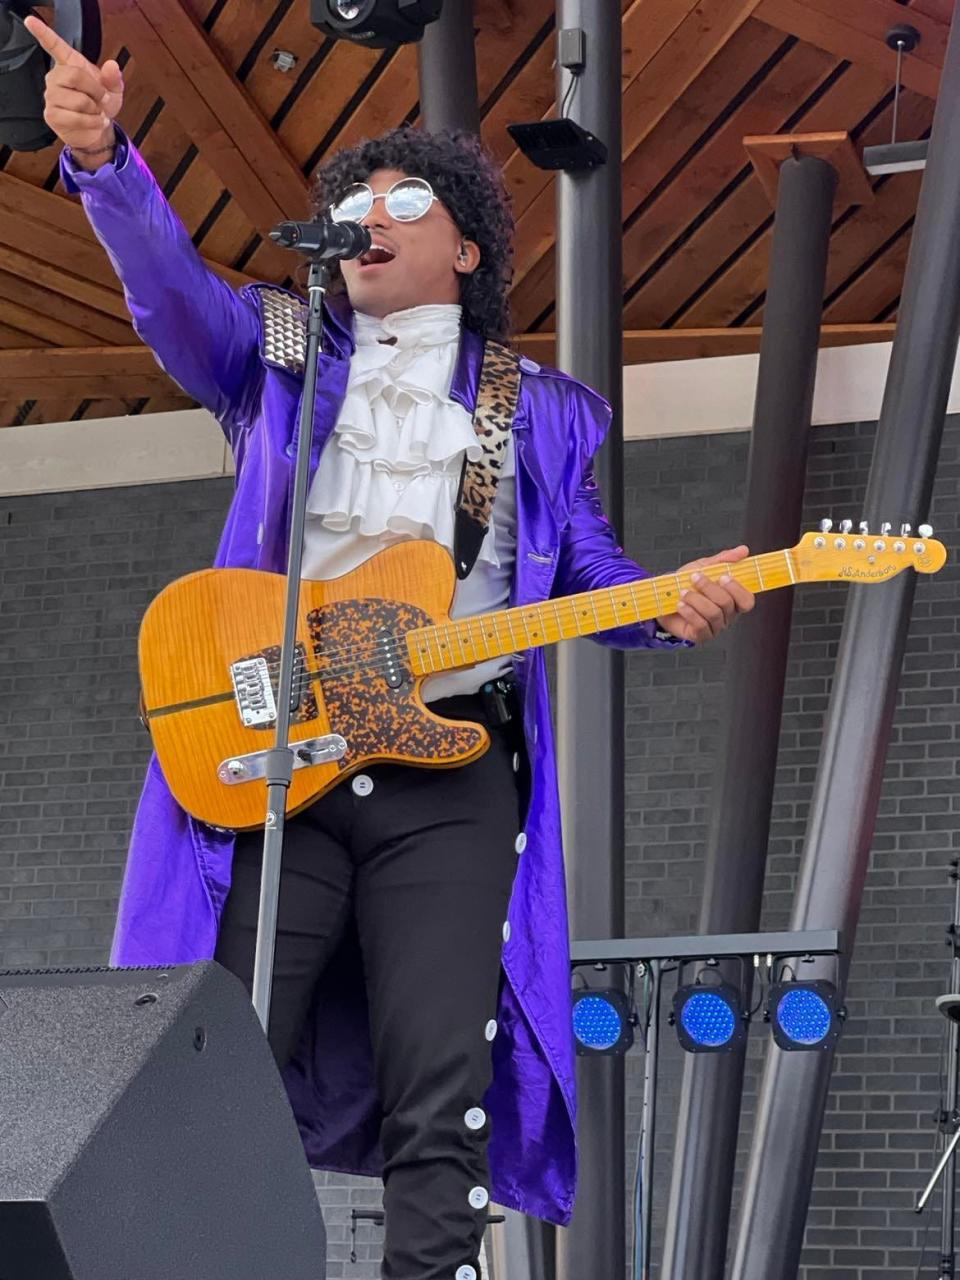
x,y
279,760
949,1006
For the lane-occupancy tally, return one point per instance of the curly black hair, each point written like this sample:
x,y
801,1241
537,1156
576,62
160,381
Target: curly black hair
x,y
468,182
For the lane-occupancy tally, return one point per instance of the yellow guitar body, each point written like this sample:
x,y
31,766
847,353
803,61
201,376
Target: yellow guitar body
x,y
351,635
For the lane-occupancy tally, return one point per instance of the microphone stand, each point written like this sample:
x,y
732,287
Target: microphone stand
x,y
949,1117
280,759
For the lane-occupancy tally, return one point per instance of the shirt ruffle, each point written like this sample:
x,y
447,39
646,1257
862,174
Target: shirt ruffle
x,y
393,466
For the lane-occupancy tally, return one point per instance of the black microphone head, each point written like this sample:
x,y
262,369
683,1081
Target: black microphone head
x,y
356,239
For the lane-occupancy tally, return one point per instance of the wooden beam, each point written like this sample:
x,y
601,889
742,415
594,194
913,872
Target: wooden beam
x,y
856,30
647,346
236,141
88,372
83,372
57,280
66,214
655,212
99,328
739,285
767,153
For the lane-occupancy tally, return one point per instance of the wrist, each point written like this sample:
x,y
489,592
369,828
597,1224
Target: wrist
x,y
93,157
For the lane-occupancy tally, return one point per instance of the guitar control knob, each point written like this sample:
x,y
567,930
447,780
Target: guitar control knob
x,y
826,525
846,526
925,530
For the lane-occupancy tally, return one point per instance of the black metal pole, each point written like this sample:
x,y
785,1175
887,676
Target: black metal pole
x,y
590,678
280,757
706,1142
847,790
447,62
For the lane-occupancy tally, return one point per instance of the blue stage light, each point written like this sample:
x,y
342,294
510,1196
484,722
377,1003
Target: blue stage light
x,y
804,1015
708,1018
602,1022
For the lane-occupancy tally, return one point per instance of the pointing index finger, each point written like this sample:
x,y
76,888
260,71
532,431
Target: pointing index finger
x,y
55,45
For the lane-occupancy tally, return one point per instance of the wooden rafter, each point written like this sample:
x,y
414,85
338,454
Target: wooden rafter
x,y
856,30
173,50
83,372
234,140
648,346
26,202
689,39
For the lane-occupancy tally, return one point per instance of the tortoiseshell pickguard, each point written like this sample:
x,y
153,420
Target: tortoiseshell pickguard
x,y
348,638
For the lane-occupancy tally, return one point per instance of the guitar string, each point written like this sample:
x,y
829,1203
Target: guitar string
x,y
356,661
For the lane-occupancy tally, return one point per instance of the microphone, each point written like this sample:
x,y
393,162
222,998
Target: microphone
x,y
323,238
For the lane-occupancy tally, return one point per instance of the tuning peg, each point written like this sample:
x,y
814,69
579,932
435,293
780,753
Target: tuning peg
x,y
846,526
826,525
905,530
885,528
864,528
925,530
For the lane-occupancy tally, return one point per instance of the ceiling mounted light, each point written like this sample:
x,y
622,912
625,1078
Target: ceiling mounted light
x,y
379,24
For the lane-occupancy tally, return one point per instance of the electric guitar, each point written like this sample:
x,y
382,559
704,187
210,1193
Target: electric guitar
x,y
210,658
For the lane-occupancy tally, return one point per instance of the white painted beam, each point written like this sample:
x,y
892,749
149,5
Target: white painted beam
x,y
151,448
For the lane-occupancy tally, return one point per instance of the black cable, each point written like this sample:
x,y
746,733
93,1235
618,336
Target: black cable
x,y
574,78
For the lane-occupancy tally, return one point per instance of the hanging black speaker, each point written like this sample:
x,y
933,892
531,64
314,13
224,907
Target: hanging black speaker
x,y
377,23
145,1133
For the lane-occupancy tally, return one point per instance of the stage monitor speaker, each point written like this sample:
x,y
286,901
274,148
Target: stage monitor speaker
x,y
145,1133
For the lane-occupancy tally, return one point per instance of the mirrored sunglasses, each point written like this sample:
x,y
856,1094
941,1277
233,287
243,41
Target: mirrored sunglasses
x,y
406,201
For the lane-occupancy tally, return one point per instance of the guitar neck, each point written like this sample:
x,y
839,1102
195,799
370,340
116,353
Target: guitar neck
x,y
451,645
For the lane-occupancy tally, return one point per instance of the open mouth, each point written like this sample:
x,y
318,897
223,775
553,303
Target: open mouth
x,y
376,256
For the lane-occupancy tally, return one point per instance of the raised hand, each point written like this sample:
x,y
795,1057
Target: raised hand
x,y
709,606
81,100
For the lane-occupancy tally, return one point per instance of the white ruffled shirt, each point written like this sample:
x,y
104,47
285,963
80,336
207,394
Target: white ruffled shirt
x,y
391,471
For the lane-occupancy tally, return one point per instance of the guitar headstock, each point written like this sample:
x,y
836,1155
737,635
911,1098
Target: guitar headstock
x,y
843,554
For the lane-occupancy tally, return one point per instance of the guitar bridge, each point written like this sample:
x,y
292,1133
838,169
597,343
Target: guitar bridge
x,y
254,692
254,686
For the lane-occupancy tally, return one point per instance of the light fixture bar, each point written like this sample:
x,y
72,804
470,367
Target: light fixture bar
x,y
708,946
895,157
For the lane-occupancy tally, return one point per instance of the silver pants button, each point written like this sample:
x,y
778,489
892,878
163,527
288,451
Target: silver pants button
x,y
362,785
475,1118
479,1198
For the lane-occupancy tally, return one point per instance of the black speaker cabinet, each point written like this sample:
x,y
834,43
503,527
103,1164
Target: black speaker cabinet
x,y
145,1133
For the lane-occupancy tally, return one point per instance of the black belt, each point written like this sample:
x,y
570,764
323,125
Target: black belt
x,y
496,703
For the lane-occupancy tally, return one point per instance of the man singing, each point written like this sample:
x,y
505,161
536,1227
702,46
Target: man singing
x,y
421,1003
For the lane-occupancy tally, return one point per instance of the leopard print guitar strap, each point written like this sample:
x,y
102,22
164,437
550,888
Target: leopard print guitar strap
x,y
497,397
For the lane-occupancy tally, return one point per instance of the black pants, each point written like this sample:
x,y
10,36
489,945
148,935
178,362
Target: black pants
x,y
424,859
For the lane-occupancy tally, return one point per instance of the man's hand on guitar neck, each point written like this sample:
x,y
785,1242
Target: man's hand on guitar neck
x,y
709,607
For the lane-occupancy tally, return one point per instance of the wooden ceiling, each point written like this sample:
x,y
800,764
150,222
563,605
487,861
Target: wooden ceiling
x,y
232,140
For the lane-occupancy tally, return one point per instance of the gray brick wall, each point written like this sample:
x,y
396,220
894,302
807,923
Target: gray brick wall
x,y
78,570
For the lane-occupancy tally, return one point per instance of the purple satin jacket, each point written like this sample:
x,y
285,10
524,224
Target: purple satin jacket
x,y
210,340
